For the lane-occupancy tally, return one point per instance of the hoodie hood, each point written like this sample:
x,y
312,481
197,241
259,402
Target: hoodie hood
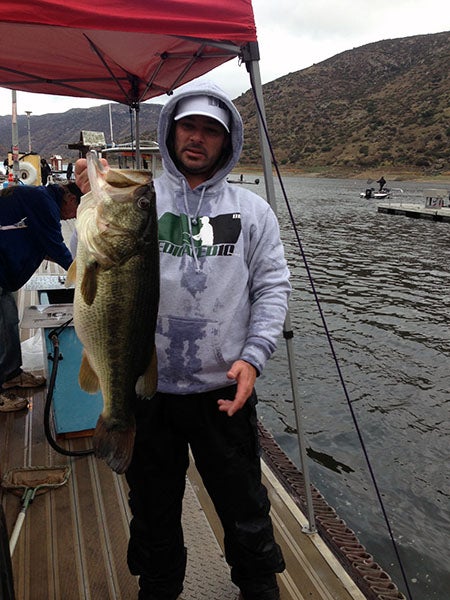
x,y
166,120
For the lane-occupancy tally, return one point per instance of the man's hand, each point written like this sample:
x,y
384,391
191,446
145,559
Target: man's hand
x,y
245,376
81,174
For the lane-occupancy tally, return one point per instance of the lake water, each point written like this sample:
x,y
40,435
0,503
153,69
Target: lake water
x,y
383,284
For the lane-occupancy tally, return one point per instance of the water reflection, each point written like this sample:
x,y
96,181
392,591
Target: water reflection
x,y
383,285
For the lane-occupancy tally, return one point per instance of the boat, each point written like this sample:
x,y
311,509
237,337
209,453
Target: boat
x,y
241,180
123,156
73,540
383,194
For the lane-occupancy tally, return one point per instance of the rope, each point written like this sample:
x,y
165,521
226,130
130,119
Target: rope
x,y
330,342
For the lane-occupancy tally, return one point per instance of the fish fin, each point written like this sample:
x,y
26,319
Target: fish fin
x,y
113,444
147,383
87,377
71,274
88,286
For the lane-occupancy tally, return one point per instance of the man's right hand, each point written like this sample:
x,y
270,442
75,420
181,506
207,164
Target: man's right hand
x,y
81,174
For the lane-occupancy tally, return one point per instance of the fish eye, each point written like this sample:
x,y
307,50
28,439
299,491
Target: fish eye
x,y
143,200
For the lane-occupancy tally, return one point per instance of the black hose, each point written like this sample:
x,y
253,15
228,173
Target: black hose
x,y
53,337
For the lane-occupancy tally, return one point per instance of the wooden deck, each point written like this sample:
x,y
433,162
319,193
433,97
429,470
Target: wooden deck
x,y
74,540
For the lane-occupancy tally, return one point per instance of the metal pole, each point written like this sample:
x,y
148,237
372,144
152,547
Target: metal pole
x,y
111,127
28,113
15,137
252,65
138,136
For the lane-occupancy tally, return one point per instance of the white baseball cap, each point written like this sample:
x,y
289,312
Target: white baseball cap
x,y
207,106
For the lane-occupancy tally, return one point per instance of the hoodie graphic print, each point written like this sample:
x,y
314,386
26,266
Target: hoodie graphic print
x,y
208,236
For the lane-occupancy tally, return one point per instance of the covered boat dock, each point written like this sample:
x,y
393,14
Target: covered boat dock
x,y
73,543
74,539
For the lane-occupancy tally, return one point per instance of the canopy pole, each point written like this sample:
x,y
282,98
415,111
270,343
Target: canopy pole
x,y
251,58
15,137
138,136
111,126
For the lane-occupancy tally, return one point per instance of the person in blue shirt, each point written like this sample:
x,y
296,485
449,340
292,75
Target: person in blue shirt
x,y
30,231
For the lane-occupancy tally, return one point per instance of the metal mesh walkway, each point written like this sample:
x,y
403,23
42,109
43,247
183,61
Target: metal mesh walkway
x,y
207,576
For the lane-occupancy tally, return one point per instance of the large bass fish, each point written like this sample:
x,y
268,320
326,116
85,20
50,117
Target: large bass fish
x,y
116,275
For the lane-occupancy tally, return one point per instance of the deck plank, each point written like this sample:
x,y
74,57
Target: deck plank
x,y
74,540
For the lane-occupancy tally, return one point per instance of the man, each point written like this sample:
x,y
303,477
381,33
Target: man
x,y
46,171
382,183
224,292
30,230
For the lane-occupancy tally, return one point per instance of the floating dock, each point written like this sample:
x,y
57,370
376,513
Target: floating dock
x,y
435,208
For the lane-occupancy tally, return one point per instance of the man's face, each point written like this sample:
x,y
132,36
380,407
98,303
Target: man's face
x,y
199,144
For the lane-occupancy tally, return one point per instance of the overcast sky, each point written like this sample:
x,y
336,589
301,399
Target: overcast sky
x,y
292,35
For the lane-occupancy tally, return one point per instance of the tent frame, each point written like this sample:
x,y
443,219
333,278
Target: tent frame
x,y
251,59
97,59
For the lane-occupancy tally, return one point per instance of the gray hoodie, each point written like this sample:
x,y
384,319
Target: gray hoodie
x,y
224,279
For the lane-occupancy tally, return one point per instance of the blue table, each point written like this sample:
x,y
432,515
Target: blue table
x,y
74,410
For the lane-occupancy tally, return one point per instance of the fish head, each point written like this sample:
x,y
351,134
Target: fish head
x,y
118,215
128,213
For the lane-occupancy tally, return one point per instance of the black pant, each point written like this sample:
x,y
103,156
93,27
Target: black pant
x,y
226,453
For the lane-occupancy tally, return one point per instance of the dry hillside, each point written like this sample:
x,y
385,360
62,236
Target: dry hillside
x,y
383,104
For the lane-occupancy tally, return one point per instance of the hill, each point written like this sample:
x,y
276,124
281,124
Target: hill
x,y
385,105
52,133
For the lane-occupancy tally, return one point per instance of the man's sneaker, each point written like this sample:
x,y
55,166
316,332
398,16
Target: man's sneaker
x,y
24,380
9,402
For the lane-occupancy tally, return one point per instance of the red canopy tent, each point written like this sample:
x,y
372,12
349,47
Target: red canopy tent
x,y
130,51
119,50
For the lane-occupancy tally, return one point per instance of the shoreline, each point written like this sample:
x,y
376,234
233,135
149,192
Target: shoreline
x,y
369,177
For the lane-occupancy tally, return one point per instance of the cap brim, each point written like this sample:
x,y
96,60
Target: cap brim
x,y
191,113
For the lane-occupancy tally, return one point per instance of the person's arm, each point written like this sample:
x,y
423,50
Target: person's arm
x,y
245,376
269,293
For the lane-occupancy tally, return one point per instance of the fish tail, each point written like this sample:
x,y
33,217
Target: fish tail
x,y
114,445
